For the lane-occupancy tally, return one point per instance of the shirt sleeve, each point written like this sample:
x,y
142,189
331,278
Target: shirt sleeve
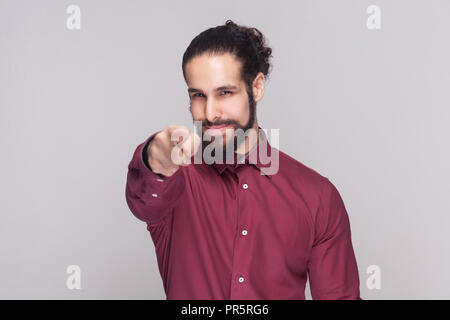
x,y
150,196
332,267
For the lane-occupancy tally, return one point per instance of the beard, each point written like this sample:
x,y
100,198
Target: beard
x,y
230,147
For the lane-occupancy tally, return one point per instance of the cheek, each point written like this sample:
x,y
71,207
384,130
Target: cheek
x,y
197,112
238,109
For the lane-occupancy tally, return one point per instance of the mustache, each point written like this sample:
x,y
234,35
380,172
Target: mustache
x,y
207,123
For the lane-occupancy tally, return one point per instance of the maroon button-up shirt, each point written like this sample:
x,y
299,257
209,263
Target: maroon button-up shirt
x,y
227,231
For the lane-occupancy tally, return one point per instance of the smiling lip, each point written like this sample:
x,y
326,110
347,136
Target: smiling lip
x,y
217,129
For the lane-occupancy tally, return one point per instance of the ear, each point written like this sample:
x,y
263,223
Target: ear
x,y
258,86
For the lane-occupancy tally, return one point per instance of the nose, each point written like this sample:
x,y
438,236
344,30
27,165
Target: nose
x,y
213,112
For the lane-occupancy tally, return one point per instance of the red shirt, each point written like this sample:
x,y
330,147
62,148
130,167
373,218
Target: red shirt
x,y
227,231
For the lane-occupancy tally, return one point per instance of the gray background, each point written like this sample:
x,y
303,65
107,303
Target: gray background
x,y
369,109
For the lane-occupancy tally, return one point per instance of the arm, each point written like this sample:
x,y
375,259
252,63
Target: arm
x,y
332,267
149,195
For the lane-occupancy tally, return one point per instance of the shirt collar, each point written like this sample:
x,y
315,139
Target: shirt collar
x,y
252,156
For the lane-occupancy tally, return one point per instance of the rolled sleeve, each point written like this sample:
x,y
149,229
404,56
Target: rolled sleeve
x,y
332,267
150,196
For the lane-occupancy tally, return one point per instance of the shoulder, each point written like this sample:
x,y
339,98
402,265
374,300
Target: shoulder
x,y
311,185
324,200
292,169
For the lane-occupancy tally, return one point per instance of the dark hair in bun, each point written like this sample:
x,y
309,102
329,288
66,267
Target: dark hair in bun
x,y
246,43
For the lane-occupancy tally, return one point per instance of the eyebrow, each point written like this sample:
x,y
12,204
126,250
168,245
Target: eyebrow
x,y
226,87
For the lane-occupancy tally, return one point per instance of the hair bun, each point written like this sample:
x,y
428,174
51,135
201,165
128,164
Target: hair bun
x,y
263,51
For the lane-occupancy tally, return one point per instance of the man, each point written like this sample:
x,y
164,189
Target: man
x,y
232,231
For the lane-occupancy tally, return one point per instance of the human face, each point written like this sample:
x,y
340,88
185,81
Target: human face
x,y
219,97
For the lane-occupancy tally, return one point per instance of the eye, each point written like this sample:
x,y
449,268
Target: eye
x,y
229,92
196,94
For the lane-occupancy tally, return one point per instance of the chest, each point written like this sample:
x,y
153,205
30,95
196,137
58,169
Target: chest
x,y
266,211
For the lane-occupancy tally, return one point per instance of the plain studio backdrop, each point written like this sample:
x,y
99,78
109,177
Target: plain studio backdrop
x,y
367,108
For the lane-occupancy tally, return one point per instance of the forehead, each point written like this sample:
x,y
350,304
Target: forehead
x,y
210,71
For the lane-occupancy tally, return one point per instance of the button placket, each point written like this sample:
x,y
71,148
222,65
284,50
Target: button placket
x,y
244,231
240,259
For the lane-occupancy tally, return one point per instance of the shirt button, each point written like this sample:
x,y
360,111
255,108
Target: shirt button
x,y
245,186
154,195
241,279
244,232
